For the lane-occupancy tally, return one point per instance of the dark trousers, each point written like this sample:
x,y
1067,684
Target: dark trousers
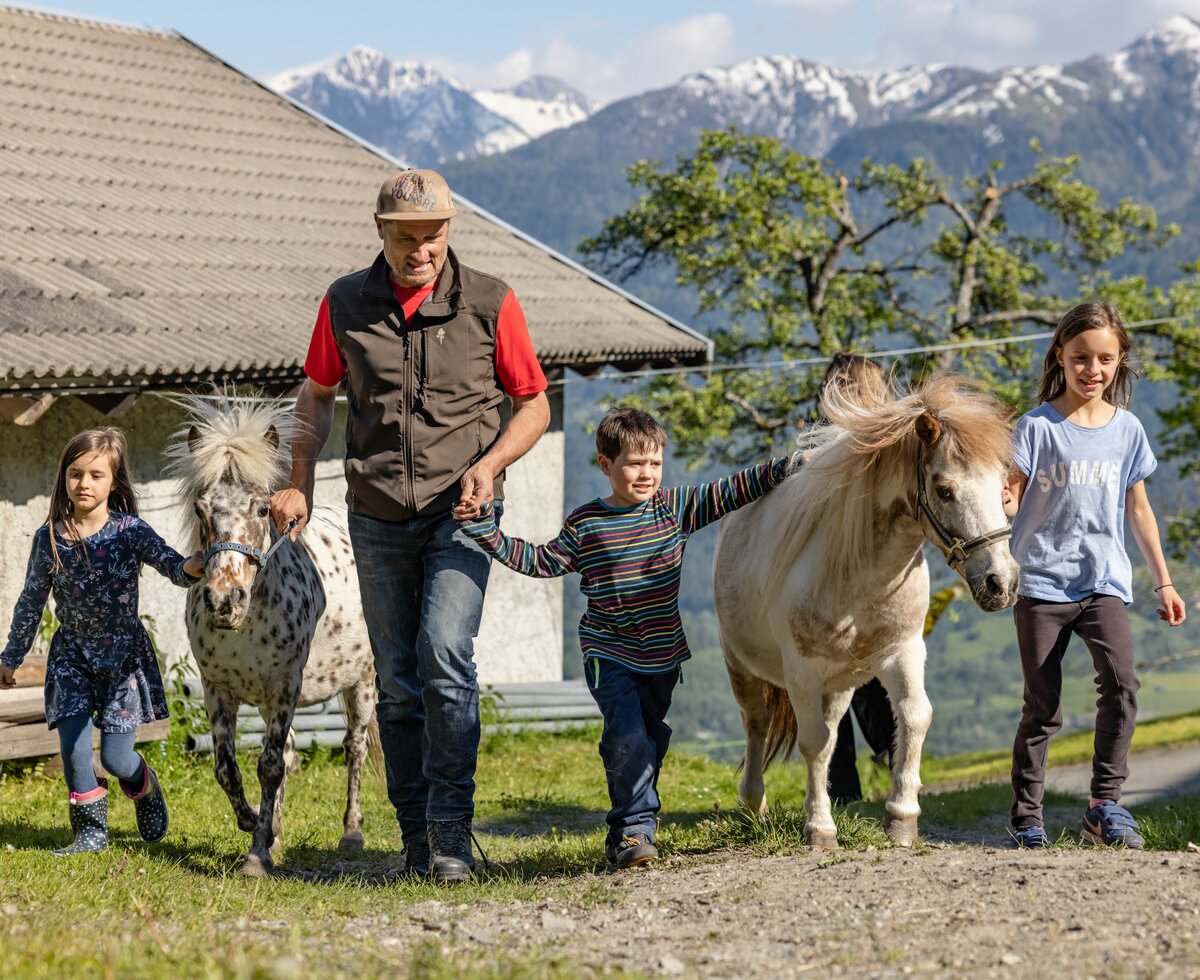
x,y
1043,631
871,707
634,741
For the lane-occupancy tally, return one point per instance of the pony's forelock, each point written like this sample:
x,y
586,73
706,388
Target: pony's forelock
x,y
868,445
231,445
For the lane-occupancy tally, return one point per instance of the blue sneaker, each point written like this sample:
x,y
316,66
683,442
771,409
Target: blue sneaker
x,y
1112,825
1031,837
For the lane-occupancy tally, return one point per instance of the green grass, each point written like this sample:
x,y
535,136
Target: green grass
x,y
180,908
1156,733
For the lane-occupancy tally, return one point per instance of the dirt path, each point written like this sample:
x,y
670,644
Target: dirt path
x,y
955,909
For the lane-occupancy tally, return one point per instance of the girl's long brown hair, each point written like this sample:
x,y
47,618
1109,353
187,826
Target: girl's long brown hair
x,y
1089,316
111,443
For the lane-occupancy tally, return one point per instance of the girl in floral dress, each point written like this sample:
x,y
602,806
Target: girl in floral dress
x,y
101,669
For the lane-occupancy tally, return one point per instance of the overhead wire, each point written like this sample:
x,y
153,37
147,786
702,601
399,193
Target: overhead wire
x,y
614,375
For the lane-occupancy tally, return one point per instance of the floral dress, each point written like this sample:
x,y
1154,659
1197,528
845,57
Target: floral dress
x,y
101,662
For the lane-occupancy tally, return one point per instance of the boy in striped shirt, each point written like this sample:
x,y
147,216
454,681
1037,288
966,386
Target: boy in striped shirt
x,y
628,549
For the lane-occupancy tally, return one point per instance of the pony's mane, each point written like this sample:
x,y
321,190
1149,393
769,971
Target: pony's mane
x,y
231,446
870,443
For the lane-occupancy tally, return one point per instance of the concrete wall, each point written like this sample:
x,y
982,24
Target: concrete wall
x,y
521,636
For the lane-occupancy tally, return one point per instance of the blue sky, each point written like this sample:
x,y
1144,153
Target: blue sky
x,y
622,47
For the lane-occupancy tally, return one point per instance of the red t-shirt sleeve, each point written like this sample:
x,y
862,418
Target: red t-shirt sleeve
x,y
517,365
324,362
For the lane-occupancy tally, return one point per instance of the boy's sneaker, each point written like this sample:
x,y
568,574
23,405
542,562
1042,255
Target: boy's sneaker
x,y
1113,826
1031,837
630,851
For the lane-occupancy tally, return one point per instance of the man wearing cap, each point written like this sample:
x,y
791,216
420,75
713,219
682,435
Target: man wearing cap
x,y
429,349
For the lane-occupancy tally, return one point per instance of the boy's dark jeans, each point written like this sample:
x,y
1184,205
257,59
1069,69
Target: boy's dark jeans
x,y
634,741
1043,631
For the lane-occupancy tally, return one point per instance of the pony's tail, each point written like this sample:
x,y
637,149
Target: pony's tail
x,y
375,761
375,764
781,732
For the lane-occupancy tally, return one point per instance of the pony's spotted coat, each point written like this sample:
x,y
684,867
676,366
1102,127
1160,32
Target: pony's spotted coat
x,y
289,633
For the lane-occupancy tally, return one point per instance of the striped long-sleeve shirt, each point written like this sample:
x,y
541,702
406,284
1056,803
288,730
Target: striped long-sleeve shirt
x,y
630,560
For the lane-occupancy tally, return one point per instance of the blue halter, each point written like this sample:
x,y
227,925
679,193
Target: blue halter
x,y
251,552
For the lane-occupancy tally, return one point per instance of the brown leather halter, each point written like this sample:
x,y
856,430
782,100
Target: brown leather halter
x,y
957,550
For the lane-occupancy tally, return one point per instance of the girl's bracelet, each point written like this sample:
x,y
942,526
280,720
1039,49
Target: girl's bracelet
x,y
1168,585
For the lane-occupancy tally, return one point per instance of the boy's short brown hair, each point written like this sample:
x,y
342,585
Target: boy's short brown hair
x,y
628,428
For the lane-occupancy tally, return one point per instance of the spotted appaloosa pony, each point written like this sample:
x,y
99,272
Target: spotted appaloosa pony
x,y
822,583
276,632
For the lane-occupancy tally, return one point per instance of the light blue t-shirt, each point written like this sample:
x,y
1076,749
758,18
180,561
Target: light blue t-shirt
x,y
1069,533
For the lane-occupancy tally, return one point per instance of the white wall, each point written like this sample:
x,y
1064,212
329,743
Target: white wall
x,y
521,637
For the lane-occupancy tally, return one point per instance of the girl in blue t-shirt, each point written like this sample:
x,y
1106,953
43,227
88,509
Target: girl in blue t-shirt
x,y
101,671
1081,460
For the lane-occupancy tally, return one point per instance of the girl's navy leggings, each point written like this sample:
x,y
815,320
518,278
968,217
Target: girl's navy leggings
x,y
116,754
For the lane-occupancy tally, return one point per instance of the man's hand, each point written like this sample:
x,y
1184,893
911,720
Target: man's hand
x,y
7,677
287,506
477,487
469,510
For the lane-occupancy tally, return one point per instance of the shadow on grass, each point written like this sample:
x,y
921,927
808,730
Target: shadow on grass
x,y
24,836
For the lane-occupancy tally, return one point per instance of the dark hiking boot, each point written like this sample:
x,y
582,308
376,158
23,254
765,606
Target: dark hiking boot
x,y
631,851
89,821
148,805
450,858
416,857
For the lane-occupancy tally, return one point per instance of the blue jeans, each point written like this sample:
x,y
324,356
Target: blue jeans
x,y
634,741
422,583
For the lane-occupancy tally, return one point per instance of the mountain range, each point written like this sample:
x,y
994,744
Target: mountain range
x,y
551,162
424,117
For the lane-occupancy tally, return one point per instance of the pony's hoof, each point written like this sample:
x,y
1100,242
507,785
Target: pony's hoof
x,y
825,840
901,830
276,844
257,867
351,842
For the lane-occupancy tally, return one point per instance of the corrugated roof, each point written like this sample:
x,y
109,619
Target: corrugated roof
x,y
165,219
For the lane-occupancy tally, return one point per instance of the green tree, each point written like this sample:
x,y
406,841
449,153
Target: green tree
x,y
795,261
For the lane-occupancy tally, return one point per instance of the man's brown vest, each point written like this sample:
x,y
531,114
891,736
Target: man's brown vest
x,y
423,395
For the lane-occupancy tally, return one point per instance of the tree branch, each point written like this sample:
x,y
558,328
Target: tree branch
x,y
1009,316
757,417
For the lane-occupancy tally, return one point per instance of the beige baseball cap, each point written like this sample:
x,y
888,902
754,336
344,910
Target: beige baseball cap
x,y
415,195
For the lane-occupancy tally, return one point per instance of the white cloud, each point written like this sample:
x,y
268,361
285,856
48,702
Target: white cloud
x,y
656,57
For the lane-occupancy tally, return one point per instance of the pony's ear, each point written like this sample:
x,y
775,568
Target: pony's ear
x,y
929,431
273,437
193,438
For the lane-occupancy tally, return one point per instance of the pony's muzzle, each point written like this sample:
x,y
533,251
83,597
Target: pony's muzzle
x,y
996,590
226,609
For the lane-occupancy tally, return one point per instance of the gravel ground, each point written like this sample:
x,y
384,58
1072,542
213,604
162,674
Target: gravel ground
x,y
950,908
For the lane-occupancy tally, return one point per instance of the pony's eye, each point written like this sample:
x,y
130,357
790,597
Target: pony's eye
x,y
944,493
264,510
198,510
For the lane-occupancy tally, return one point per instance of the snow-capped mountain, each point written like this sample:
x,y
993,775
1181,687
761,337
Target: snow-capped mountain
x,y
1161,67
812,105
424,117
1132,116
